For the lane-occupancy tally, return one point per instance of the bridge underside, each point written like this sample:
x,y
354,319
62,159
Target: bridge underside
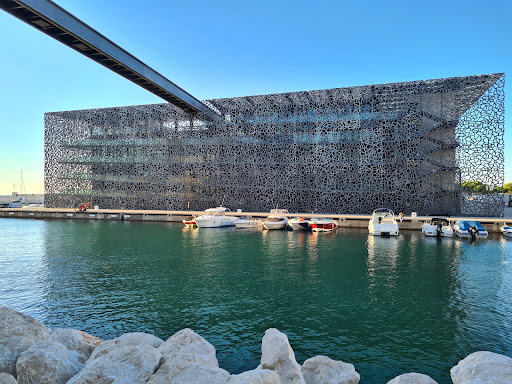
x,y
56,22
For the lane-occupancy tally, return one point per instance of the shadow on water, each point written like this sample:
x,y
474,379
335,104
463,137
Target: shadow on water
x,y
387,305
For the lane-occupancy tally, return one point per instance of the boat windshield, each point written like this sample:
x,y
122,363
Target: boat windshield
x,y
437,221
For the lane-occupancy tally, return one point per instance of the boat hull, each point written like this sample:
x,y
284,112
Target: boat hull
x,y
275,224
241,224
215,222
323,226
383,229
431,231
297,225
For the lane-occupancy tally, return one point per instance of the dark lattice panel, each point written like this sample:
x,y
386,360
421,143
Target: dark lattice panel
x,y
346,150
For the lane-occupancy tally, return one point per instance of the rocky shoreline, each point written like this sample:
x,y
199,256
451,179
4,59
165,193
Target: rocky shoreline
x,y
30,353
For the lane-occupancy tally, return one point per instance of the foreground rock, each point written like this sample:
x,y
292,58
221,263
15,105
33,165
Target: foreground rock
x,y
323,370
186,348
256,376
74,340
132,364
483,367
13,323
5,378
48,362
188,345
412,378
179,371
10,350
128,339
277,355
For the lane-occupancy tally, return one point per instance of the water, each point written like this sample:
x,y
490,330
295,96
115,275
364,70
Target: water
x,y
387,305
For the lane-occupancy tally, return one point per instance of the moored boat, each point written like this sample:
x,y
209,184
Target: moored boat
x,y
469,228
437,226
383,222
190,222
299,223
506,230
278,219
214,218
323,225
248,222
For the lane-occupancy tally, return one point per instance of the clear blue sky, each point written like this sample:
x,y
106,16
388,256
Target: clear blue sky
x,y
238,48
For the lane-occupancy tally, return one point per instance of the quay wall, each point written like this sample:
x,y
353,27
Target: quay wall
x,y
491,224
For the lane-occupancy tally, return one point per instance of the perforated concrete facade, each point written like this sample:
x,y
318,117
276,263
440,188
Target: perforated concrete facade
x,y
406,146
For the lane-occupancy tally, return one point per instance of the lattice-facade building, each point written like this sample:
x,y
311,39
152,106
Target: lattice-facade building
x,y
406,146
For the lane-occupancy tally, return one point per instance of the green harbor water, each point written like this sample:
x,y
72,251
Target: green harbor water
x,y
387,305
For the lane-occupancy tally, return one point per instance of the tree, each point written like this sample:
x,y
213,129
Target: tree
x,y
474,187
507,188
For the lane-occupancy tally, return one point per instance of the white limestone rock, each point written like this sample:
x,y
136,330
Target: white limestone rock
x,y
128,339
13,323
256,376
75,340
483,368
412,378
324,370
10,350
5,378
183,371
132,364
48,362
188,345
277,355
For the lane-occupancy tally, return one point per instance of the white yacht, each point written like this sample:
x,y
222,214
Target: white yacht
x,y
437,226
467,228
248,222
299,223
215,217
278,219
383,222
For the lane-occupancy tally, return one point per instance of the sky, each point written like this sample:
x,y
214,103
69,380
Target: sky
x,y
240,48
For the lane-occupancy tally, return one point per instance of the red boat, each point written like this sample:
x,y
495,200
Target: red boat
x,y
190,222
323,225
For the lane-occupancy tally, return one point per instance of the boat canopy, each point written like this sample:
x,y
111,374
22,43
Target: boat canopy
x,y
279,212
383,212
465,225
216,211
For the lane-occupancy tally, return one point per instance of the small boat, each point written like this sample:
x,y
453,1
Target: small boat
x,y
383,222
437,226
278,219
248,222
467,228
299,223
16,204
506,230
215,217
323,225
190,222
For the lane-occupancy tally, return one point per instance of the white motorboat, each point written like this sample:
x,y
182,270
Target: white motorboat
x,y
468,228
278,219
437,226
248,222
323,225
506,230
214,218
383,222
298,223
